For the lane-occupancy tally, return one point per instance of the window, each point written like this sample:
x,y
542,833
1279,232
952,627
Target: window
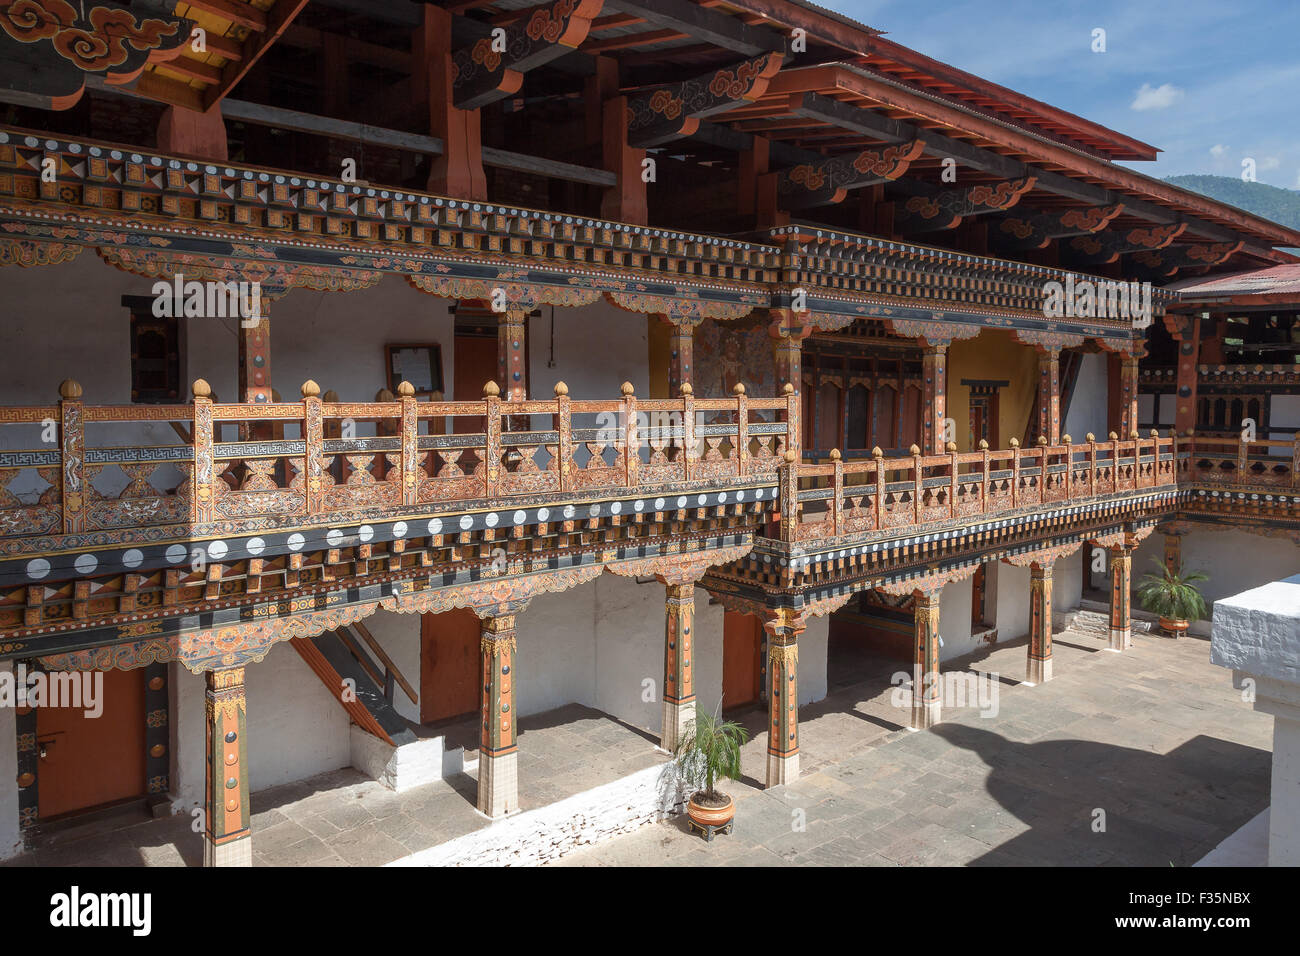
x,y
155,354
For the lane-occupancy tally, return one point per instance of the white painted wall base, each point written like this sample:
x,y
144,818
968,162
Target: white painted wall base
x,y
811,674
11,839
407,766
548,833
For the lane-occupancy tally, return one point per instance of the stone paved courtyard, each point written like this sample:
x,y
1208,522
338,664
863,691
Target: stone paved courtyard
x,y
1155,737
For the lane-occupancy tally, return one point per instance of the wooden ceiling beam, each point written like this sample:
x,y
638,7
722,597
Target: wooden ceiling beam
x,y
237,13
693,20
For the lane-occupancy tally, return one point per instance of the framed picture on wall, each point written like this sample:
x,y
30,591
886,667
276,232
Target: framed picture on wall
x,y
421,365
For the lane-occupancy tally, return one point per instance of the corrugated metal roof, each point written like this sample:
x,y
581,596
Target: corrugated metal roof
x,y
1274,280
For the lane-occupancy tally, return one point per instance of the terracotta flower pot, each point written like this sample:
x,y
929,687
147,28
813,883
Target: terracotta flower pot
x,y
711,819
1174,626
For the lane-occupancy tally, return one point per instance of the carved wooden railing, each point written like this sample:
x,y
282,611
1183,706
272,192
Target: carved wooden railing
x,y
1234,462
829,500
209,462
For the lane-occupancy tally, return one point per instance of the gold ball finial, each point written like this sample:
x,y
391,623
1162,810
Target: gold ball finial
x,y
877,452
951,447
275,396
561,389
310,389
201,389
1114,437
687,390
1066,439
787,388
405,389
70,388
628,389
835,454
1091,437
1133,434
1155,433
491,390
330,396
790,456
738,389
1042,440
914,450
984,444
1015,443
383,395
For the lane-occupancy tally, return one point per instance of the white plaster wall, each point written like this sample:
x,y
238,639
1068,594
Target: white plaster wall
x,y
1088,408
597,348
1284,415
954,618
296,728
1146,415
399,636
1013,602
1067,583
811,673
629,649
556,638
708,653
11,841
1235,560
188,738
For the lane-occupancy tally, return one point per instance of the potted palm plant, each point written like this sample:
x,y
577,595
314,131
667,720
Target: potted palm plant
x,y
1172,594
709,752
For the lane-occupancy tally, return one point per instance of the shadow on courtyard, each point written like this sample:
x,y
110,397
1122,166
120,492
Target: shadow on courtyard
x,y
1156,809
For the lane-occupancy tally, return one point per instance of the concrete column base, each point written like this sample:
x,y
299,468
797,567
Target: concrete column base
x,y
678,716
1121,638
781,769
235,853
498,784
926,713
1038,672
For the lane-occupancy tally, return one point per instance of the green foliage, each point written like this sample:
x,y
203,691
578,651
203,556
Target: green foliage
x,y
1280,205
1172,594
710,751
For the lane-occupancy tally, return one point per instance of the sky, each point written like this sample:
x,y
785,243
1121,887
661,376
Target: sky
x,y
1209,82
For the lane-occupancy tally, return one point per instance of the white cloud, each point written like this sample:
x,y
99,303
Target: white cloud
x,y
1270,162
1218,149
1156,97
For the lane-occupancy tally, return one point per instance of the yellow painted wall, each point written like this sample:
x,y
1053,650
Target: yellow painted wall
x,y
993,355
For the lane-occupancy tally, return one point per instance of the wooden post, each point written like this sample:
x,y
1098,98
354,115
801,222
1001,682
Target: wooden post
x,y
918,484
783,627
625,201
1039,667
512,372
935,382
227,835
458,171
679,652
789,491
204,480
742,431
410,445
72,450
313,435
1049,395
492,440
681,354
255,357
689,452
1121,620
793,440
498,768
837,489
926,703
878,509
631,438
1015,473
563,424
1189,347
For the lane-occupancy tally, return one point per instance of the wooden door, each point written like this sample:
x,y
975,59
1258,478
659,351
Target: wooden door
x,y
93,761
449,665
742,646
978,590
475,358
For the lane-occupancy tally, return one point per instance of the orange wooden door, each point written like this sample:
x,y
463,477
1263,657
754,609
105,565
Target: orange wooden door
x,y
449,665
93,761
476,365
742,645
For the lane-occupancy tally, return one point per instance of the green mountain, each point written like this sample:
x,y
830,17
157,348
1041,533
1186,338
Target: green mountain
x,y
1280,205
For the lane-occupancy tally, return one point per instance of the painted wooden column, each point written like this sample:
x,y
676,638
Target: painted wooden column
x,y
512,369
1189,347
255,355
783,628
926,704
934,376
1049,395
787,336
1173,552
1128,389
1040,623
626,200
227,836
458,170
1121,598
72,442
679,654
498,761
681,356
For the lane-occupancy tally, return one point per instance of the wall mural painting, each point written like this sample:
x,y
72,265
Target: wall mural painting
x,y
731,352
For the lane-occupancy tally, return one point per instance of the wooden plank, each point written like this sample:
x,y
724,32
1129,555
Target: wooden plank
x,y
692,20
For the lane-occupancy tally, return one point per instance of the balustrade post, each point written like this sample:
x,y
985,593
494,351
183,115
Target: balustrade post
x,y
1114,462
742,431
837,489
410,445
492,439
952,485
689,452
1295,461
1043,477
789,490
72,449
984,482
1039,666
1067,442
793,440
1015,473
918,484
313,433
1243,459
562,422
631,439
878,509
1092,464
203,480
